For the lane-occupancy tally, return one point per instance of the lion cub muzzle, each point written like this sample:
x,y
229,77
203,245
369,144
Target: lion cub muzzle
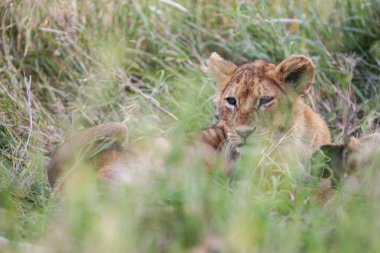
x,y
244,132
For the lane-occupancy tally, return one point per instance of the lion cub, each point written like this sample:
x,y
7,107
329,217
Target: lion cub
x,y
266,100
354,156
104,148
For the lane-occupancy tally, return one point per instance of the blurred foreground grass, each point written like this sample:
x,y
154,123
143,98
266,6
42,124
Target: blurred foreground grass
x,y
138,62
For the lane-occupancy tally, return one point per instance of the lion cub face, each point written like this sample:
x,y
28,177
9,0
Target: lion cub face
x,y
259,95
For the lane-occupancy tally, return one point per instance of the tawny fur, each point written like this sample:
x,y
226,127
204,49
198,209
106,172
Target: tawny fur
x,y
363,152
87,147
104,150
353,165
286,114
354,155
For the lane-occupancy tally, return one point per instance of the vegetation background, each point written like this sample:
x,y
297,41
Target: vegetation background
x,y
138,62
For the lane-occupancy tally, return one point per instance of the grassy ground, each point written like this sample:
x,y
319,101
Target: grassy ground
x,y
138,62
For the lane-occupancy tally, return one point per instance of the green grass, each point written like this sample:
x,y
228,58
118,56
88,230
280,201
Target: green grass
x,y
82,55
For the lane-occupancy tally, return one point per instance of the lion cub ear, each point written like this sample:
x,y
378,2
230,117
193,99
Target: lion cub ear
x,y
219,69
296,72
352,143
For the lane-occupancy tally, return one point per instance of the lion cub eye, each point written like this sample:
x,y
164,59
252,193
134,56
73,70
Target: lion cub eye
x,y
232,101
265,101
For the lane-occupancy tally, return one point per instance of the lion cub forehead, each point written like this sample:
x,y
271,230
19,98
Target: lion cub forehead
x,y
259,69
254,74
258,66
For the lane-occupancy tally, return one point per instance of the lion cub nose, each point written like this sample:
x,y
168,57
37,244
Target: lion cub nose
x,y
244,131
